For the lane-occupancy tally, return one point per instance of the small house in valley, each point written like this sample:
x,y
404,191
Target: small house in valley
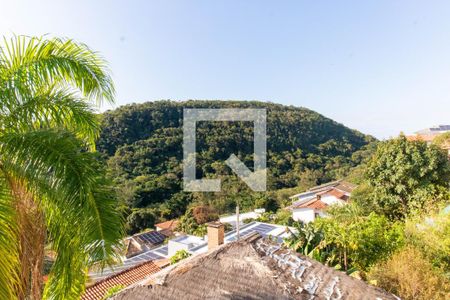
x,y
307,206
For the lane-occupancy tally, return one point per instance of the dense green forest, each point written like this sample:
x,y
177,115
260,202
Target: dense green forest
x,y
142,144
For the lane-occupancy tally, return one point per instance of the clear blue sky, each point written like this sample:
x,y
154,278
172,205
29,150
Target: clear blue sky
x,y
377,66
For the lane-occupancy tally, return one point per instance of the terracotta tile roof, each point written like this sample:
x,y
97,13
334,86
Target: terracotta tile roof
x,y
252,268
336,193
314,204
125,278
168,225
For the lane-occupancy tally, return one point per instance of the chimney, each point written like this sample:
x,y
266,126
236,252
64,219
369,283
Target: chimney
x,y
216,234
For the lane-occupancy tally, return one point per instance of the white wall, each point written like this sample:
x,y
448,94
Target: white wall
x,y
305,215
174,246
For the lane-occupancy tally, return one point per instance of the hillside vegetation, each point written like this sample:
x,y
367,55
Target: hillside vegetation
x,y
143,147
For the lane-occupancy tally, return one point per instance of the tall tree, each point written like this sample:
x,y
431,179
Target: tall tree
x,y
52,188
407,175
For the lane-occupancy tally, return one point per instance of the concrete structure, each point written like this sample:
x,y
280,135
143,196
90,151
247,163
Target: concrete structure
x,y
184,242
216,233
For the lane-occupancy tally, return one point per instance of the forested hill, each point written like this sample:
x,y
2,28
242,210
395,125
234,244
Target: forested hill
x,y
143,144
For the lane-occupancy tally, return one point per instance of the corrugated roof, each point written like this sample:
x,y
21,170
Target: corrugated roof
x,y
125,278
252,268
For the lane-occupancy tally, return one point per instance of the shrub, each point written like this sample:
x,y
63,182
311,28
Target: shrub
x,y
192,222
354,241
228,227
249,220
409,275
283,217
141,218
179,255
431,235
203,214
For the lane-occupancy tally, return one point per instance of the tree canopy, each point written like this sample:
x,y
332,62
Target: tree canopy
x,y
407,176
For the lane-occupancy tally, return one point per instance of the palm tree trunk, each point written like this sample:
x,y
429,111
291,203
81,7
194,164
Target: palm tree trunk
x,y
32,235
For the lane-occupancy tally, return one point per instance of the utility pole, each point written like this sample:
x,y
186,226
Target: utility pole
x,y
237,222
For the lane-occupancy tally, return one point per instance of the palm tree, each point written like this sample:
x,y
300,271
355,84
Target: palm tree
x,y
53,192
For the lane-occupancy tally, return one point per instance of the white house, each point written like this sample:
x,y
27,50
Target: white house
x,y
314,202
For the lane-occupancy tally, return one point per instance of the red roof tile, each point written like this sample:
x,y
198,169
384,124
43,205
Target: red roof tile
x,y
336,193
125,278
170,225
314,204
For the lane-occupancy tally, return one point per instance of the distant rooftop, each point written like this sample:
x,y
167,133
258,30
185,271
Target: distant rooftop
x,y
339,185
434,129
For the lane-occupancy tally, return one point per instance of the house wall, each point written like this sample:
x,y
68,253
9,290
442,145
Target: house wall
x,y
305,215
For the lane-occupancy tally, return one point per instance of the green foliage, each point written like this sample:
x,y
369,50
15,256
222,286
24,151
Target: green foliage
x,y
249,220
193,221
143,143
407,176
52,188
307,240
442,139
431,234
179,255
346,239
113,291
283,217
265,217
359,241
141,218
228,227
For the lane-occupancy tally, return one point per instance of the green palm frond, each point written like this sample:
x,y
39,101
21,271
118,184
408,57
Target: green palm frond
x,y
47,127
51,107
71,191
29,62
8,244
